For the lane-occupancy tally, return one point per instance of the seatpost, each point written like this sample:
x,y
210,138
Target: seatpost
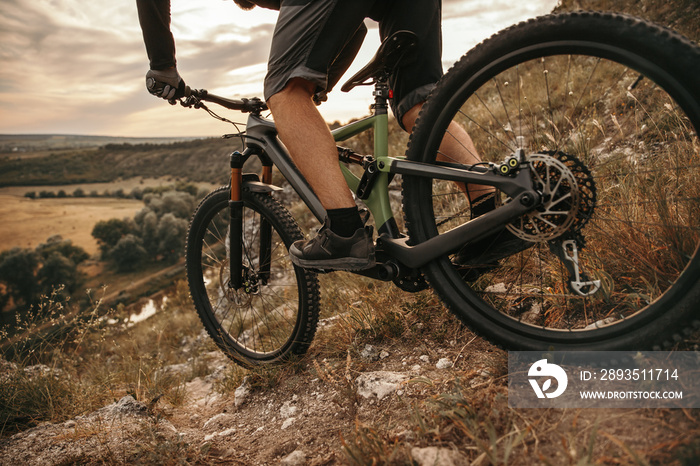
x,y
381,94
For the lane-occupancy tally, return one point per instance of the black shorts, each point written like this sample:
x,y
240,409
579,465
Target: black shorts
x,y
317,39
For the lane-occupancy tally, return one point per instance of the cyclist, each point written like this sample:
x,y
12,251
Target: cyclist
x,y
314,42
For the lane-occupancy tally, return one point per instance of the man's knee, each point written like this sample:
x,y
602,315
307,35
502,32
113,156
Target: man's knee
x,y
296,89
408,120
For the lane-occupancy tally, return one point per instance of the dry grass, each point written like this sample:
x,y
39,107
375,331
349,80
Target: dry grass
x,y
78,362
463,409
26,221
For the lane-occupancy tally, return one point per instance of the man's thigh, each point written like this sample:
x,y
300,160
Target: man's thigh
x,y
309,36
412,83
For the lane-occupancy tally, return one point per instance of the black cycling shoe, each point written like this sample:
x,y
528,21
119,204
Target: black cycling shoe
x,y
328,251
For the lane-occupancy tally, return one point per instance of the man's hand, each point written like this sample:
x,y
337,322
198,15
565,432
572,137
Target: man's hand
x,y
166,84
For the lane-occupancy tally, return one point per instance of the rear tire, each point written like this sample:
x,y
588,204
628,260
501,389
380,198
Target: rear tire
x,y
621,97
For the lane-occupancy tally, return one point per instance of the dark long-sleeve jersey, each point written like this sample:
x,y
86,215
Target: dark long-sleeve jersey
x,y
154,17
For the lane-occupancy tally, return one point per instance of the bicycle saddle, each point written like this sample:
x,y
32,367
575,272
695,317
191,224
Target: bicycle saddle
x,y
397,49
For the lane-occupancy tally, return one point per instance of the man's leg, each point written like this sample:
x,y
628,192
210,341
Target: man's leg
x,y
457,146
308,139
343,243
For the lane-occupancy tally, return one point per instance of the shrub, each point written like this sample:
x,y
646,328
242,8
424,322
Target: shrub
x,y
128,253
109,232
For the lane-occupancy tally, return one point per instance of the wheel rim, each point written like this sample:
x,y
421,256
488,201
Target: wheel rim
x,y
642,151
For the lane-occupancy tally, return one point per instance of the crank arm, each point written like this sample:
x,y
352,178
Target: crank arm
x,y
579,283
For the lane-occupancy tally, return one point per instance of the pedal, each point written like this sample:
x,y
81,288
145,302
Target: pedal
x,y
579,282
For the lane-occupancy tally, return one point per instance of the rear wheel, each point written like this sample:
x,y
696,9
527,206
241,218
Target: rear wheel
x,y
274,314
606,108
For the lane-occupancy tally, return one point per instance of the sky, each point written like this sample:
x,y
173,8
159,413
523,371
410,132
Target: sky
x,y
78,67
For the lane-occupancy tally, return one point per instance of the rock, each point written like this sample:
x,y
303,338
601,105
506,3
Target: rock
x,y
444,363
370,353
288,410
127,406
176,369
425,358
87,438
220,421
288,422
384,354
434,456
379,384
295,458
201,392
600,323
497,288
223,433
242,392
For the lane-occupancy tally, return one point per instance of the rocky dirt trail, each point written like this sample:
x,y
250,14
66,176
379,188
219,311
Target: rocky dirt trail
x,y
318,411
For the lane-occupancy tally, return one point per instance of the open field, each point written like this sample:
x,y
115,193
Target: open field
x,y
27,223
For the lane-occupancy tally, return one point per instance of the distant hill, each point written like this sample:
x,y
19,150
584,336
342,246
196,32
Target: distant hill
x,y
193,160
17,143
68,159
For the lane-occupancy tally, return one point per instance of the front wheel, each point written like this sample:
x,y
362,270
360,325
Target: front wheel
x,y
273,316
606,109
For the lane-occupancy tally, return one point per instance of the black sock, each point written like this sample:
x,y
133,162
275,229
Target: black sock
x,y
345,222
483,204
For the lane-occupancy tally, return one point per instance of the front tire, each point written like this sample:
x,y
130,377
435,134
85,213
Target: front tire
x,y
274,315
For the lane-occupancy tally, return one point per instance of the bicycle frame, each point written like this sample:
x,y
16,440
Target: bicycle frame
x,y
262,140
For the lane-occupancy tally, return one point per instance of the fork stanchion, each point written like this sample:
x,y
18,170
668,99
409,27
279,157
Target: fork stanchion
x,y
235,230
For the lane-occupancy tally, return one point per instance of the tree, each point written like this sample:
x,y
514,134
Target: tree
x,y
128,253
66,248
171,235
147,224
109,232
58,270
17,272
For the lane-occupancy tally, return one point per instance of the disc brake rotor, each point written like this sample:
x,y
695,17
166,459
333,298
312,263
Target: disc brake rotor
x,y
568,198
244,295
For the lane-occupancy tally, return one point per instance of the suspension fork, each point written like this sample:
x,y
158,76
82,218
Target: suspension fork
x,y
235,230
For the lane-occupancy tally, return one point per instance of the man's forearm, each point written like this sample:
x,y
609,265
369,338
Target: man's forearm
x,y
154,17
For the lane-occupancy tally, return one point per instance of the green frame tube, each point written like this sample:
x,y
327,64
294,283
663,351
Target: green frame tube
x,y
378,202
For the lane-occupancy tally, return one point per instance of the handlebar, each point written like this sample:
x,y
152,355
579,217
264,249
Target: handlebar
x,y
194,96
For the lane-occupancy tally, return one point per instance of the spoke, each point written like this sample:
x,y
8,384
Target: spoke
x,y
487,131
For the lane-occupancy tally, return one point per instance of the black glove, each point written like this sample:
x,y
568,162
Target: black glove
x,y
166,84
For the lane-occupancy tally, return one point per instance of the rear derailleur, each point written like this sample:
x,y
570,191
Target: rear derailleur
x,y
566,249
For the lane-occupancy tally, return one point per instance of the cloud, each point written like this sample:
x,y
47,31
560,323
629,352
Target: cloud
x,y
77,66
74,66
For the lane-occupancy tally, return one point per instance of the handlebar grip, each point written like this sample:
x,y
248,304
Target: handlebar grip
x,y
156,88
